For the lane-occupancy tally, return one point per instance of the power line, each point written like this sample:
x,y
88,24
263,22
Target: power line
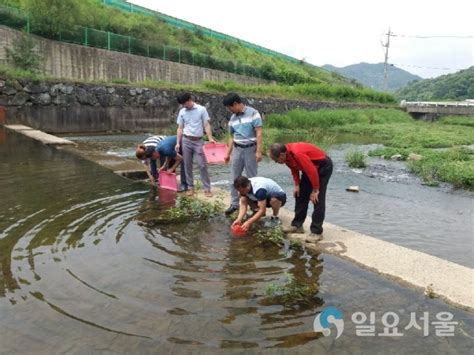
x,y
426,37
422,67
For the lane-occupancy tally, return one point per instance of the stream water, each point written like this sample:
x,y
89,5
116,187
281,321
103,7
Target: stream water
x,y
84,267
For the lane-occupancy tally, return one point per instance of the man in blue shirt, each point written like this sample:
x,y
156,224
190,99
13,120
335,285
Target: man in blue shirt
x,y
263,193
244,149
150,164
170,159
192,121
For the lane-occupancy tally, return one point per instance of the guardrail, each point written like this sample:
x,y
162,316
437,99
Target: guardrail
x,y
437,104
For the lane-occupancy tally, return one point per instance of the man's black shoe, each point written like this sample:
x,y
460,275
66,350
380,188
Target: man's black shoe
x,y
230,210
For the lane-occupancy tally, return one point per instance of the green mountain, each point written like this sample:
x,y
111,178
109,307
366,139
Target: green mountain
x,y
457,86
372,75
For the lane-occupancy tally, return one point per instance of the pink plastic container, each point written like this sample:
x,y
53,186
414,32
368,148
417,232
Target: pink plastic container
x,y
215,152
168,180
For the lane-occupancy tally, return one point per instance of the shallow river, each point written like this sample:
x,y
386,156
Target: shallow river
x,y
85,267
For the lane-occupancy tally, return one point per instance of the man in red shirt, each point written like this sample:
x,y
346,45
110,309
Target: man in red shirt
x,y
316,169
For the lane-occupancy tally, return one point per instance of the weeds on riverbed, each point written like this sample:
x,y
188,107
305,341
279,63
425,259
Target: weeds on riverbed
x,y
290,292
276,236
187,209
355,159
454,165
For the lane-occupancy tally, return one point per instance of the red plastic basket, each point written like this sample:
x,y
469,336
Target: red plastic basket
x,y
238,231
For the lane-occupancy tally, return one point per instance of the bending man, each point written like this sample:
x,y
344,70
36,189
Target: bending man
x,y
316,169
261,193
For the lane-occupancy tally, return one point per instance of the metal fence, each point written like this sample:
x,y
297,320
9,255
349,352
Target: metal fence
x,y
86,36
132,8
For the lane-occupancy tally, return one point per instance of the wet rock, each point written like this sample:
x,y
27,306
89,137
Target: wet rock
x,y
36,88
143,99
132,92
105,100
16,85
122,91
110,90
54,90
67,89
20,99
64,100
141,90
84,97
2,84
413,156
100,90
396,157
58,89
42,99
352,188
8,91
116,100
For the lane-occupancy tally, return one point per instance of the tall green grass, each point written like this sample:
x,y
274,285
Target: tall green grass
x,y
400,134
458,120
314,92
330,118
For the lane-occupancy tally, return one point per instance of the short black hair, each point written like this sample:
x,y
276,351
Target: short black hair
x,y
241,181
277,148
149,151
231,98
184,97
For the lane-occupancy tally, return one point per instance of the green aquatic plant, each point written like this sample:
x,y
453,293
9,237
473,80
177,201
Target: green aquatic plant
x,y
290,292
274,235
187,209
355,159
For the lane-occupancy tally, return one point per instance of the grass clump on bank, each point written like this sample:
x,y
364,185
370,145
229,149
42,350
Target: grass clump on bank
x,y
400,134
356,159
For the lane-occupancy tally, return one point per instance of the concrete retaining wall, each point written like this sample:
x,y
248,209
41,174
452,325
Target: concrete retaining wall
x,y
70,61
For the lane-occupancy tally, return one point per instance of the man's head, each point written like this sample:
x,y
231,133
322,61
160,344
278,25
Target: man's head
x,y
278,153
143,152
243,185
233,103
186,100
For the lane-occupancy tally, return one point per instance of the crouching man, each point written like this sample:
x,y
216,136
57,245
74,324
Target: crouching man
x,y
258,193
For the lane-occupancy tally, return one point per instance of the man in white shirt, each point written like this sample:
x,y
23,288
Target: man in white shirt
x,y
193,121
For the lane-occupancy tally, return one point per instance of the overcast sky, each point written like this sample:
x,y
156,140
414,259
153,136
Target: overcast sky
x,y
343,32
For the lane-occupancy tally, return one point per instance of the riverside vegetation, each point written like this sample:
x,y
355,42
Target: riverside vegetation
x,y
443,145
50,18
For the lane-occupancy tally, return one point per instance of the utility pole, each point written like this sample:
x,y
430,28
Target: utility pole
x,y
385,68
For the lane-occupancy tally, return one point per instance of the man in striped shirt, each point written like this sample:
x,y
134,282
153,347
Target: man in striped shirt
x,y
244,149
144,152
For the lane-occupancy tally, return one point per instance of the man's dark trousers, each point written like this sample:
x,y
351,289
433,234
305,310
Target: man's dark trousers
x,y
301,204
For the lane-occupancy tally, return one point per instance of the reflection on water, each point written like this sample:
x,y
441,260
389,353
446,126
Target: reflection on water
x,y
84,267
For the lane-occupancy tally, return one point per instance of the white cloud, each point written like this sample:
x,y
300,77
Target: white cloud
x,y
343,32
